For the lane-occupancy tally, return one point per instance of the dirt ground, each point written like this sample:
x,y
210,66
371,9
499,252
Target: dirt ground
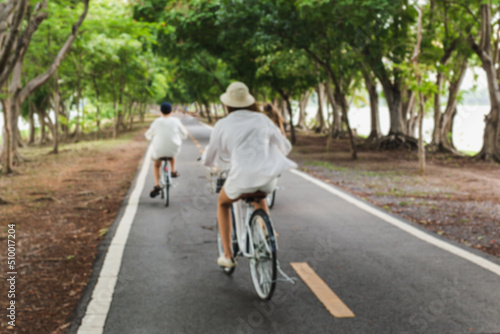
x,y
456,197
62,206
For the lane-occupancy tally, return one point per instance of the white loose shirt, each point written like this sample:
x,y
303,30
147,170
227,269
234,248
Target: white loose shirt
x,y
255,148
166,134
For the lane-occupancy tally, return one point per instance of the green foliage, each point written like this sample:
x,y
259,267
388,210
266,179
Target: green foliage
x,y
111,63
146,51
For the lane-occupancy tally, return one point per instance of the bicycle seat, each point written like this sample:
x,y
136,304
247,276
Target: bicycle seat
x,y
253,197
165,158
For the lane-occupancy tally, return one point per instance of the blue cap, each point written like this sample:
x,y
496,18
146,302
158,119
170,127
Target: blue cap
x,y
166,108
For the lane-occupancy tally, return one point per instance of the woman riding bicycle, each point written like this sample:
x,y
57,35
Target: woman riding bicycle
x,y
256,150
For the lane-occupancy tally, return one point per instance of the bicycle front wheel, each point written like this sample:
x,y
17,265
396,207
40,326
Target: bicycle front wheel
x,y
263,264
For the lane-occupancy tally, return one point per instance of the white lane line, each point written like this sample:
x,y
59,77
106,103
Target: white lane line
x,y
98,307
482,262
206,125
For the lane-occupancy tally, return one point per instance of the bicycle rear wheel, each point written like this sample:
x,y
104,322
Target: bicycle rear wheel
x,y
166,193
270,199
234,244
263,265
166,183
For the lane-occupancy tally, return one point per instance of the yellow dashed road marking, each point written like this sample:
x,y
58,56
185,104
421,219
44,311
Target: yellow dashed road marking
x,y
196,143
325,295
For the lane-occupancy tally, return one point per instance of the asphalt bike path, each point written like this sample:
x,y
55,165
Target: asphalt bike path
x,y
392,281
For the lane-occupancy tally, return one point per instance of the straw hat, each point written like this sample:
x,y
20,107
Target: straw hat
x,y
237,96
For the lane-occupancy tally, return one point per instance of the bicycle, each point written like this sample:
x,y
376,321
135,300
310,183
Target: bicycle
x,y
165,180
270,198
253,237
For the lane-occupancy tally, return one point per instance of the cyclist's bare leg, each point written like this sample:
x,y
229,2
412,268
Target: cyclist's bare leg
x,y
156,172
172,165
224,221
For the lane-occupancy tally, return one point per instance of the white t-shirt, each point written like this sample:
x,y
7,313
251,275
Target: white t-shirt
x,y
255,148
166,134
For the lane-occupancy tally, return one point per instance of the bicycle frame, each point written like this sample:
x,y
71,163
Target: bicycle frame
x,y
165,173
242,219
242,225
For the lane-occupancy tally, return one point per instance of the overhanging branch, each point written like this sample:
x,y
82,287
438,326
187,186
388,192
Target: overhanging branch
x,y
41,79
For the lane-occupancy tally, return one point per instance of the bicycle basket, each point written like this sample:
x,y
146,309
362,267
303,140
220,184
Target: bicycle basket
x,y
216,179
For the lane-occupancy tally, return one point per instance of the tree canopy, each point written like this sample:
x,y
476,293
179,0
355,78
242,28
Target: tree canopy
x,y
124,55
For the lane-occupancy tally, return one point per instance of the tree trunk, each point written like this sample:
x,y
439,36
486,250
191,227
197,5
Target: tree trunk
x,y
336,127
216,111
445,125
283,110
304,99
78,93
97,113
409,99
392,92
43,132
412,116
371,87
340,97
320,120
19,139
421,147
491,137
7,150
286,99
116,113
12,107
142,112
98,117
207,109
393,96
17,93
437,110
31,120
421,109
276,103
343,105
13,41
55,139
131,115
65,127
446,132
50,125
116,126
199,109
77,121
445,59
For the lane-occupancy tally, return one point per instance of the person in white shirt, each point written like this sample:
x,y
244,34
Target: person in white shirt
x,y
274,115
166,134
257,153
